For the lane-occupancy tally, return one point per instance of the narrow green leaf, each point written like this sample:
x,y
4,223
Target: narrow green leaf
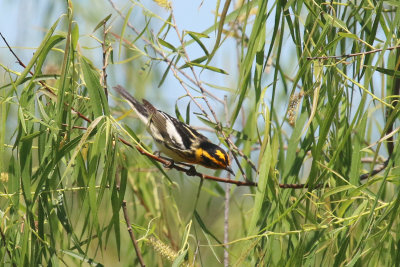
x,y
165,73
394,73
222,88
204,228
178,113
188,113
335,22
14,184
166,44
180,259
62,214
98,98
197,60
36,54
253,47
121,39
198,34
199,42
336,190
215,69
261,190
41,77
102,22
75,36
229,18
221,24
31,136
22,119
348,35
82,258
63,87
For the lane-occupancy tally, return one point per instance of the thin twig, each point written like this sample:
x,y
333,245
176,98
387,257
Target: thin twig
x,y
353,54
375,171
227,198
131,234
106,52
128,224
247,159
371,159
12,52
193,172
300,186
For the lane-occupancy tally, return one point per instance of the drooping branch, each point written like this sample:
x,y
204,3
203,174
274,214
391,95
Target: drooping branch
x,y
48,89
353,54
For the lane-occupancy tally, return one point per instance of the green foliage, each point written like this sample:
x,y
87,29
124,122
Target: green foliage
x,y
66,172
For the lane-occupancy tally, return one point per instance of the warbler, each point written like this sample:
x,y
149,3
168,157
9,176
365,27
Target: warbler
x,y
176,139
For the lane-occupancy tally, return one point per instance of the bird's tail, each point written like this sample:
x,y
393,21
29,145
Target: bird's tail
x,y
138,107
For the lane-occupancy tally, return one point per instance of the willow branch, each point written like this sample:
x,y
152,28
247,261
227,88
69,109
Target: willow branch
x,y
132,235
191,171
43,83
353,54
128,224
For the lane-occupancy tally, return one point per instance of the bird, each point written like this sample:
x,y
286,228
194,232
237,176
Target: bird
x,y
176,139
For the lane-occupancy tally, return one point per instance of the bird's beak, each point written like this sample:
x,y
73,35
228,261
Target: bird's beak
x,y
229,169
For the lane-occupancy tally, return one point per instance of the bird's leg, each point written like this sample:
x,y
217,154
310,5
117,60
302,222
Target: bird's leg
x,y
191,171
169,163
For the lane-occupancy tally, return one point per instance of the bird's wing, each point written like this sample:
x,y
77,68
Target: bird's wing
x,y
173,133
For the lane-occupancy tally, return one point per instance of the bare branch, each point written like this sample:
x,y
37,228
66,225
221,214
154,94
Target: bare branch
x,y
128,224
132,235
